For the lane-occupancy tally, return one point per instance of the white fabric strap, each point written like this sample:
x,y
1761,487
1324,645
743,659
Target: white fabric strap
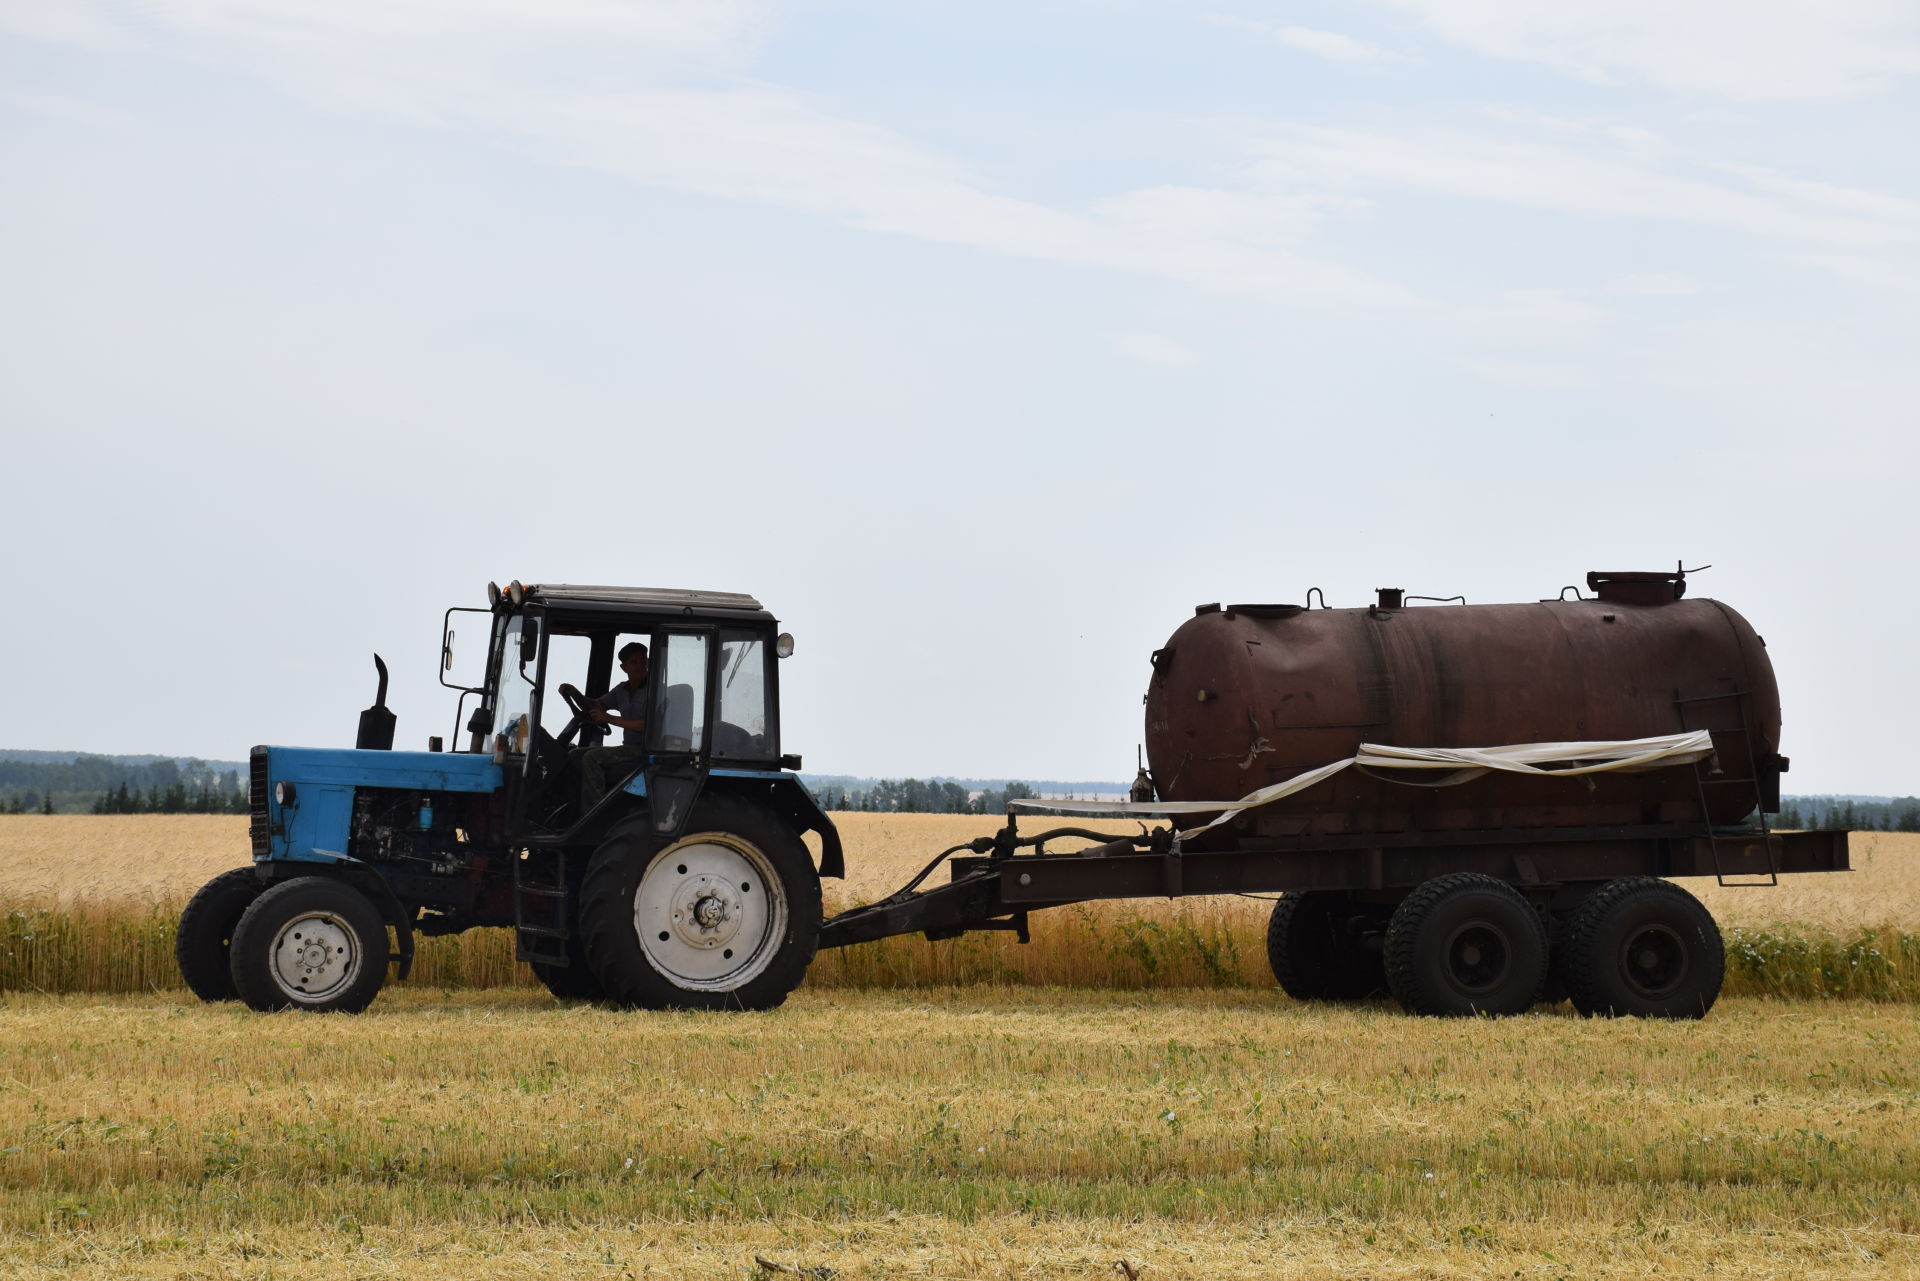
x,y
1557,760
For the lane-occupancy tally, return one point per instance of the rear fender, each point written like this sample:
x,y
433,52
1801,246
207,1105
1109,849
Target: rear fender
x,y
782,793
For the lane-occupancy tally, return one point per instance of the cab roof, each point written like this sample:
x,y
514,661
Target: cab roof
x,y
653,599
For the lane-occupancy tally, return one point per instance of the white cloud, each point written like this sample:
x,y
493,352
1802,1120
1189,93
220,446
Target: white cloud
x,y
675,117
1589,181
1153,349
1753,50
1331,45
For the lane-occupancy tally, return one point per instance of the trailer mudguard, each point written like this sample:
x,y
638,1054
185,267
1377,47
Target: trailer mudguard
x,y
312,825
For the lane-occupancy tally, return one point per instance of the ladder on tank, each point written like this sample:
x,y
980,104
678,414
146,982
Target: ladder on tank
x,y
1705,779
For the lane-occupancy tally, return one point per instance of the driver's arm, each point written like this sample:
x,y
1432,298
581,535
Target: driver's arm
x,y
596,708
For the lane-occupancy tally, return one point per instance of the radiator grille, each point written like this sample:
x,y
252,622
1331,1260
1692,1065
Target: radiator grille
x,y
257,823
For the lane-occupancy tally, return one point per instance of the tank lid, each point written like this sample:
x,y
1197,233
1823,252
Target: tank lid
x,y
1638,587
1265,611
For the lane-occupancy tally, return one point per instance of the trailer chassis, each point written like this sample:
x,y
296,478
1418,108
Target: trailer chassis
x,y
997,881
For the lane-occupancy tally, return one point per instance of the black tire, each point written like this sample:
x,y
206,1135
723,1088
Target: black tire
x,y
202,938
1315,950
312,943
1466,944
1644,947
574,981
692,911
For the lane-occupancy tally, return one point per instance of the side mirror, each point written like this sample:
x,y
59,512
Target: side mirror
x,y
529,641
446,651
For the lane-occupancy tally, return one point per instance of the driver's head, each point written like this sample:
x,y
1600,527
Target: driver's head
x,y
633,661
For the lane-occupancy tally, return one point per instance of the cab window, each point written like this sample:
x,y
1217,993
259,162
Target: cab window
x,y
680,706
741,731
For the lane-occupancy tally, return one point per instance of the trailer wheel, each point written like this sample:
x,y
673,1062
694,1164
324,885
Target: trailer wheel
x,y
1315,949
312,943
574,981
204,934
1465,944
725,918
1644,947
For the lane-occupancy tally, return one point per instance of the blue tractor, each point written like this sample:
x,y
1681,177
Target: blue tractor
x,y
681,881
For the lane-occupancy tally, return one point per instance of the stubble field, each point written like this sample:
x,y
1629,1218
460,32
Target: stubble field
x,y
1129,1087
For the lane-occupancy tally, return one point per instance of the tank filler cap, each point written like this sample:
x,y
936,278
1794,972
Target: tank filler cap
x,y
1390,597
1214,608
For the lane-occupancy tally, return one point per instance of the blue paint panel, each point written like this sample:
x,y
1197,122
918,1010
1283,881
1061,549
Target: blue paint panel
x,y
418,771
314,828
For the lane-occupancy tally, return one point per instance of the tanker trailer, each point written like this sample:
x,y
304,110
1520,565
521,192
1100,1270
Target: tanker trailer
x,y
1473,807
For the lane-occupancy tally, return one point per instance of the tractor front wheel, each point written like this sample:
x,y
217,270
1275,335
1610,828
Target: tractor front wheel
x,y
312,943
203,937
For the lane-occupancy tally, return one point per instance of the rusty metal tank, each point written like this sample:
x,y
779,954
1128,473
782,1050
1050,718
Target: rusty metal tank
x,y
1246,695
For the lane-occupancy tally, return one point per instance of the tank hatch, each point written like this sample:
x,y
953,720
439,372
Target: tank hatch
x,y
1638,587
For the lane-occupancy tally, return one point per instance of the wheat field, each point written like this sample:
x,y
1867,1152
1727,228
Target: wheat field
x,y
954,1133
64,860
1127,1093
87,904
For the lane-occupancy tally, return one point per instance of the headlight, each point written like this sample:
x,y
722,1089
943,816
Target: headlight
x,y
783,645
493,593
283,793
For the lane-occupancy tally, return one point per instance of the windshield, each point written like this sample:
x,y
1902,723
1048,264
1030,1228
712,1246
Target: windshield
x,y
512,690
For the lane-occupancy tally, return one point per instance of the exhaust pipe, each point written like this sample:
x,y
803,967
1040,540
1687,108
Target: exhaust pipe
x,y
376,723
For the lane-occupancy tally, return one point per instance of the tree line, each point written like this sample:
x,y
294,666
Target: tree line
x,y
914,796
1849,814
103,785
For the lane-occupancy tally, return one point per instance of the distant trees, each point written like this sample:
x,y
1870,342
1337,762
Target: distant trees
x,y
102,785
1846,813
914,796
224,796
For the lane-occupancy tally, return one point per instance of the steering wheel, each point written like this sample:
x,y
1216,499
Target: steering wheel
x,y
582,714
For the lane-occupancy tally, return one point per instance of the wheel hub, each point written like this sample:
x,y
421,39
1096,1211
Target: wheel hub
x,y
1477,957
709,912
1654,960
314,956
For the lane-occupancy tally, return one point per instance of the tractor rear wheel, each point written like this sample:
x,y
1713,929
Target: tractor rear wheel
x,y
1316,951
312,943
202,939
1644,947
1466,944
574,981
725,918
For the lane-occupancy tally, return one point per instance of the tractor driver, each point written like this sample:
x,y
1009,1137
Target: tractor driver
x,y
624,706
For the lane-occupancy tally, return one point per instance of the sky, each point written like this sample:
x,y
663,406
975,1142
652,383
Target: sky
x,y
980,342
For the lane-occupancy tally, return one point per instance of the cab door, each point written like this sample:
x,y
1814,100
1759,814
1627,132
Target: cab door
x,y
680,728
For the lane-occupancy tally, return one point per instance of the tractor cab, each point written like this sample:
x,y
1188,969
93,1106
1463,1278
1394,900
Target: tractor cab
x,y
708,700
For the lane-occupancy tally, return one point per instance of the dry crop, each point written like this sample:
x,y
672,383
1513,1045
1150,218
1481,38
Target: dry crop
x,y
68,925
957,1133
